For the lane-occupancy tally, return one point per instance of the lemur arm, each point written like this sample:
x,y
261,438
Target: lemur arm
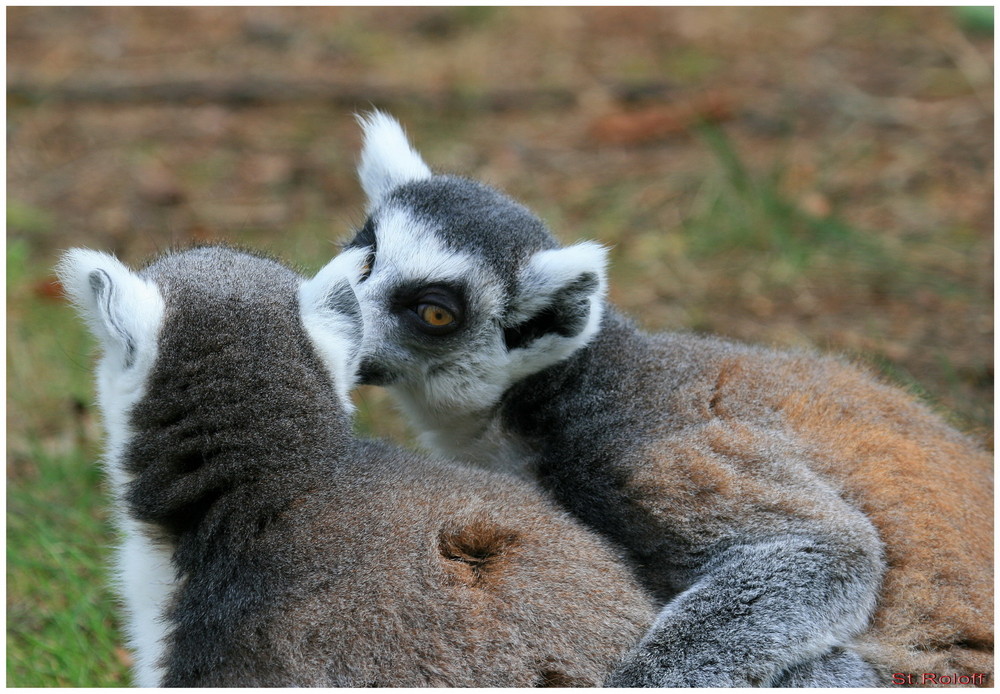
x,y
786,571
758,610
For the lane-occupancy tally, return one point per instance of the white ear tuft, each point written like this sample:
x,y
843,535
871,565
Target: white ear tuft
x,y
558,307
332,318
123,310
387,159
550,272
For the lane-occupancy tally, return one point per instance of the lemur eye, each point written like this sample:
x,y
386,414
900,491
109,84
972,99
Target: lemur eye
x,y
435,316
433,310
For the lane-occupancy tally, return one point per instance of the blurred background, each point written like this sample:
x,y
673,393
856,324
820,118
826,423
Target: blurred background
x,y
817,178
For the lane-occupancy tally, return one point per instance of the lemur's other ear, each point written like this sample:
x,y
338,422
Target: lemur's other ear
x,y
560,297
332,317
387,159
123,310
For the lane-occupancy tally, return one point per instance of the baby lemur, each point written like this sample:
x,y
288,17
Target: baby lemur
x,y
787,509
264,545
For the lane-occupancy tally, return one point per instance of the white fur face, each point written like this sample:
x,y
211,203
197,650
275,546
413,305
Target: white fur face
x,y
519,303
125,314
452,372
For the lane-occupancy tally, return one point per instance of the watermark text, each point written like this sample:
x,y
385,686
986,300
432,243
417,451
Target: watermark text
x,y
924,678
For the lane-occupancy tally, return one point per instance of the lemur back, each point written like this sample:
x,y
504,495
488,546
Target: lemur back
x,y
801,523
732,412
264,545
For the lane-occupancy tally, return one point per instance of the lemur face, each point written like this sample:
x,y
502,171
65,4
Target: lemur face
x,y
463,290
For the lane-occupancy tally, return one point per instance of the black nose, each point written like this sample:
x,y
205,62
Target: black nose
x,y
371,373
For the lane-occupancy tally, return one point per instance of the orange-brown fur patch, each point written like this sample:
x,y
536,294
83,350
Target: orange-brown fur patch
x,y
555,678
927,490
477,551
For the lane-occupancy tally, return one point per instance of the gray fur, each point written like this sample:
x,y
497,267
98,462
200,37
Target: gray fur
x,y
713,464
306,557
344,301
470,217
839,668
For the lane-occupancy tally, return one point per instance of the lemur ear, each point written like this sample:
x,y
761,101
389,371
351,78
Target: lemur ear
x,y
123,310
560,298
387,159
332,318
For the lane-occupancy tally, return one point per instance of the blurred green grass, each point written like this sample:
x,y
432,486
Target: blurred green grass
x,y
62,628
748,216
976,18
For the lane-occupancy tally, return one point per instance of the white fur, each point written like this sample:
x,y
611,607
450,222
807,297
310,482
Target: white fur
x,y
475,438
130,304
409,250
334,336
387,159
146,581
545,274
549,271
144,576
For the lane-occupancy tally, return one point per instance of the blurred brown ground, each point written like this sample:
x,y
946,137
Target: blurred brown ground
x,y
135,129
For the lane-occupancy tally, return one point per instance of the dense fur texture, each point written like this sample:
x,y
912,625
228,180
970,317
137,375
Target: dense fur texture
x,y
801,523
277,549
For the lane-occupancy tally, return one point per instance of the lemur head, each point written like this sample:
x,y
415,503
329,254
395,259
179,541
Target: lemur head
x,y
464,291
200,304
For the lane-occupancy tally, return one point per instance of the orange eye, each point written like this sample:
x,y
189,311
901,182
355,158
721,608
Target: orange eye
x,y
435,315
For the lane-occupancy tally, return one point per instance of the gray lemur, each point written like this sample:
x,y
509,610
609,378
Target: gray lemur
x,y
264,545
800,522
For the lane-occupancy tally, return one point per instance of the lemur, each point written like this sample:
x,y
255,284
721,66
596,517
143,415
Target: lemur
x,y
782,506
264,545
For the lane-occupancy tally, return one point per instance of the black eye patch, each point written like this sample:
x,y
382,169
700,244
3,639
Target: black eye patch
x,y
365,237
408,294
566,314
415,301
